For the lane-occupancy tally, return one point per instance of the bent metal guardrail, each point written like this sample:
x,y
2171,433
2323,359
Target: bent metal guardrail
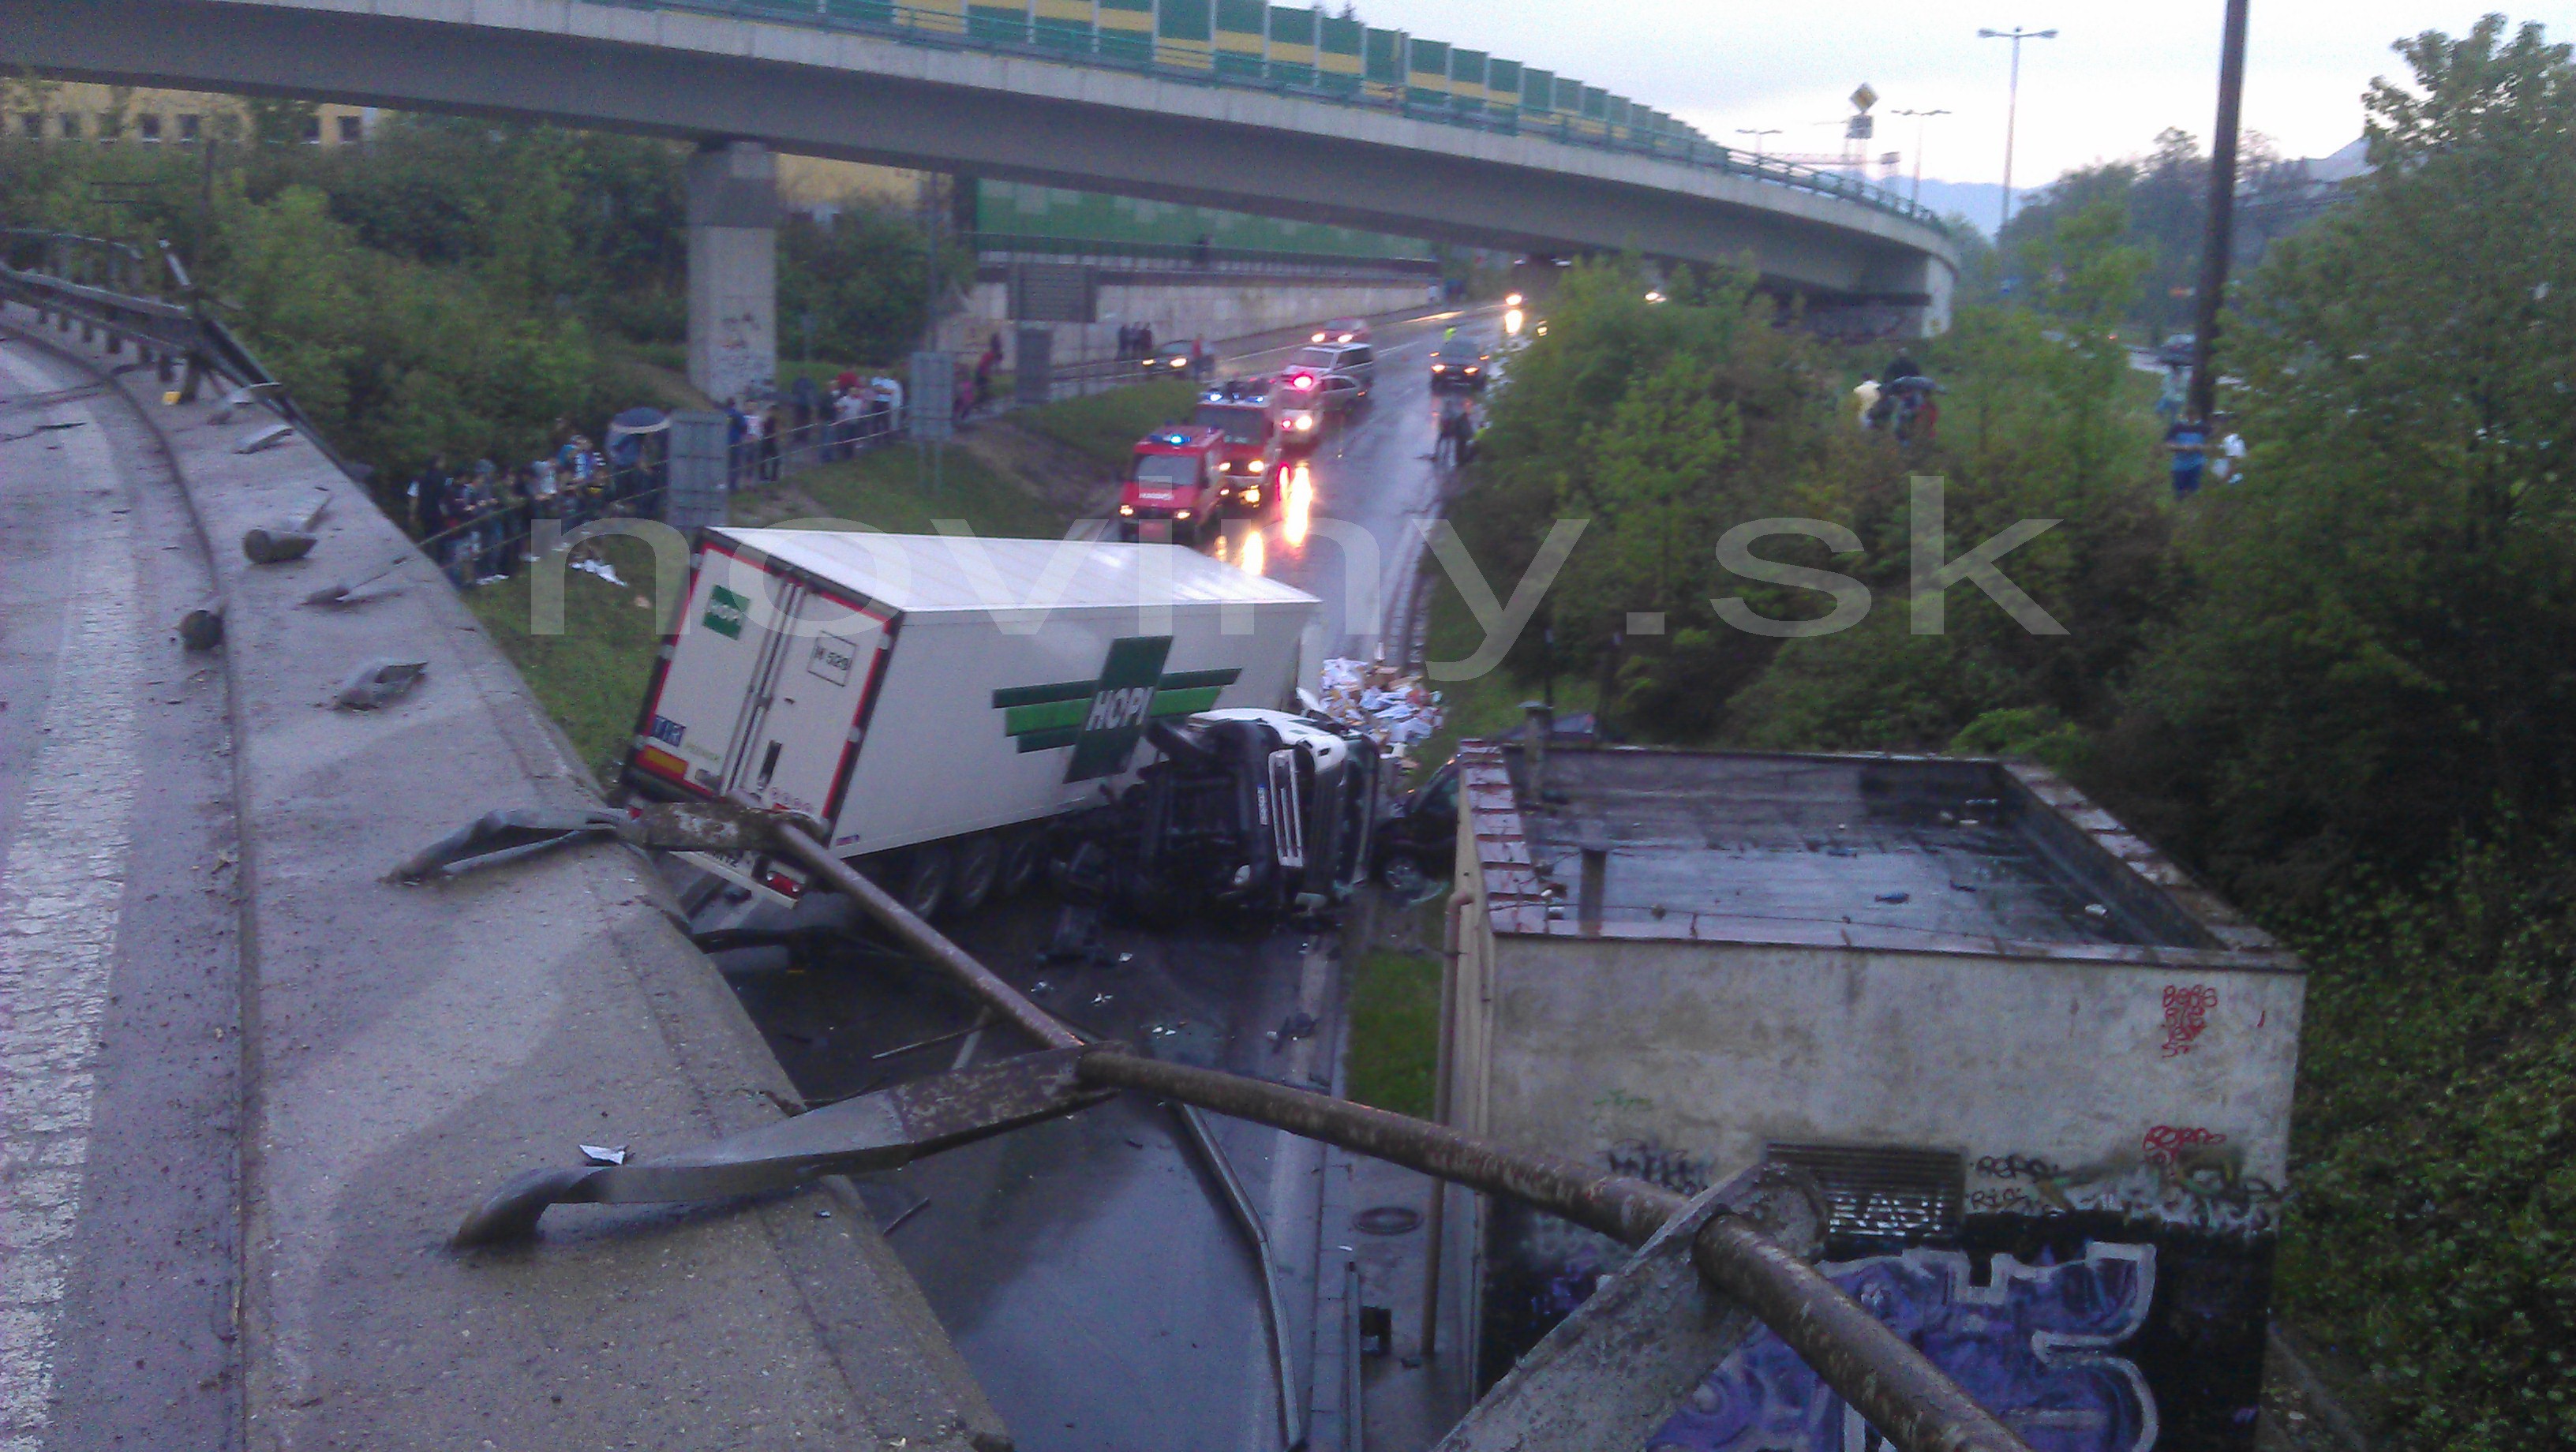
x,y
1585,1389
113,288
1091,46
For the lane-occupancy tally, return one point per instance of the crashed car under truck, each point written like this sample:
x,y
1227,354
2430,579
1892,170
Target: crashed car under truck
x,y
959,716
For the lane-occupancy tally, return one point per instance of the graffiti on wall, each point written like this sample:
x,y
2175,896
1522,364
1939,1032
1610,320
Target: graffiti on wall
x,y
2187,1010
1643,1159
2036,1345
2182,1179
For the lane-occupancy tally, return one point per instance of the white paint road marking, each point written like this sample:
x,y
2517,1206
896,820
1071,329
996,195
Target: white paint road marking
x,y
61,880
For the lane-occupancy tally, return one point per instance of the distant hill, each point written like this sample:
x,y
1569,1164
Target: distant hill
x,y
1977,201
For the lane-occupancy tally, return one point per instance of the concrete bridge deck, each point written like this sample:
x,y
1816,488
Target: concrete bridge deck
x,y
871,95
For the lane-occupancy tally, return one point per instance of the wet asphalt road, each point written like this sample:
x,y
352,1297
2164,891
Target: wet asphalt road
x,y
120,1026
1090,1270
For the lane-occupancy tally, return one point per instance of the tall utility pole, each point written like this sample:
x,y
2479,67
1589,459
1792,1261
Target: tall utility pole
x,y
1923,119
2012,108
2221,244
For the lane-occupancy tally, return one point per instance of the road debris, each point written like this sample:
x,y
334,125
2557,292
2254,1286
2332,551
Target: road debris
x,y
377,683
203,627
603,1154
274,544
1391,707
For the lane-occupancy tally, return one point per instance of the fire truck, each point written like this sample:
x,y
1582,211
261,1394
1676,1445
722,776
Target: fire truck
x,y
1177,488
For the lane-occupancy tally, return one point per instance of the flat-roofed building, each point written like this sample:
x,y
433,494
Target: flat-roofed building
x,y
2042,1077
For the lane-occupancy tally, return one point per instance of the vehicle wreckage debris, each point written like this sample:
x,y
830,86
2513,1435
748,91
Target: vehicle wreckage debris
x,y
509,836
378,683
203,627
879,1131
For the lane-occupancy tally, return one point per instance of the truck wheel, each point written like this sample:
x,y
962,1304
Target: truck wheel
x,y
1023,858
922,879
979,865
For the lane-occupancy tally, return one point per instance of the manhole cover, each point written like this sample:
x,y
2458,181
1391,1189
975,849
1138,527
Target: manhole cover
x,y
1387,1220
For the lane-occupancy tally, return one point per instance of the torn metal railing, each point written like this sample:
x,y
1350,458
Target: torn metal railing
x,y
1742,1269
113,290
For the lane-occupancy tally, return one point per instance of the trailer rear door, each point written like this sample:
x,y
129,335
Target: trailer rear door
x,y
768,686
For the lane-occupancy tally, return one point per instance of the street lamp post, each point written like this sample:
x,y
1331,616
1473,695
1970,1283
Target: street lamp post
x,y
1922,119
2012,108
1757,133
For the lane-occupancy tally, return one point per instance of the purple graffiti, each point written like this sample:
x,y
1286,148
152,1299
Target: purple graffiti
x,y
2034,1347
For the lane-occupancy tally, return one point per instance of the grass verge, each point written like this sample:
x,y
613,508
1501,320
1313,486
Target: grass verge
x,y
591,677
1105,426
1485,706
1395,1031
885,488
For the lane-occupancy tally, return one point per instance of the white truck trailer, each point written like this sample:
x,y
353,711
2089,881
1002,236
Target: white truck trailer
x,y
938,702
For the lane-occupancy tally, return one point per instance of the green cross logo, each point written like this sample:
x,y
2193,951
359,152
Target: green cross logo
x,y
1103,719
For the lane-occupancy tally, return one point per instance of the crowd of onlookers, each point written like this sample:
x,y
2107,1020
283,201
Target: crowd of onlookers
x,y
477,521
833,421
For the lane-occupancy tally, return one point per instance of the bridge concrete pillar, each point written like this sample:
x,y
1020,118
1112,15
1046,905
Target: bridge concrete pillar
x,y
733,268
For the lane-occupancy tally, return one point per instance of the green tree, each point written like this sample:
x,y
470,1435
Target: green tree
x,y
863,274
2383,645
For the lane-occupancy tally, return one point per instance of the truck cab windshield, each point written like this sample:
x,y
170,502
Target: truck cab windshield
x,y
1242,423
1168,471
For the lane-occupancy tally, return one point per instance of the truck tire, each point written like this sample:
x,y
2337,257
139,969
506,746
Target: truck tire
x,y
979,867
921,879
1023,858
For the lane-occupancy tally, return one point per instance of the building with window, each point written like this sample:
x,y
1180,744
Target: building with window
x,y
84,111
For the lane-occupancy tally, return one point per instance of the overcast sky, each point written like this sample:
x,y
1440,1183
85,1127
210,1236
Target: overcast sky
x,y
2114,77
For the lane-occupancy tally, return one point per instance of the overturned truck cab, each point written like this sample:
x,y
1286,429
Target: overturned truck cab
x,y
1253,811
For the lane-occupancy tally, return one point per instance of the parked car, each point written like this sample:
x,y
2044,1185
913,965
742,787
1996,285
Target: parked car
x,y
1459,364
1417,842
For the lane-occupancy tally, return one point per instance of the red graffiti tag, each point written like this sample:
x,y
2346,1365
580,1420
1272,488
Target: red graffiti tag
x,y
2165,1143
2187,1008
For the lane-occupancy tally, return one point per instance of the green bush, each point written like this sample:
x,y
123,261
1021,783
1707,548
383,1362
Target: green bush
x,y
2432,1239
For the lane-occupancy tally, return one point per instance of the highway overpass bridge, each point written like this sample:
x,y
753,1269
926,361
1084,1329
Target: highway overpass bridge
x,y
923,85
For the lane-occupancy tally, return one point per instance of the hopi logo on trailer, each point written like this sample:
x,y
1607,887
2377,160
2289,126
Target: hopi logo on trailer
x,y
725,613
1103,719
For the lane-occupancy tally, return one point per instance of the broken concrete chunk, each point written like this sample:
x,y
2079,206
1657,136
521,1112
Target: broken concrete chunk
x,y
202,628
379,682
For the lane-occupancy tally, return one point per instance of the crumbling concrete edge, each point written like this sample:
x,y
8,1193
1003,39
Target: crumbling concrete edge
x,y
703,1023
